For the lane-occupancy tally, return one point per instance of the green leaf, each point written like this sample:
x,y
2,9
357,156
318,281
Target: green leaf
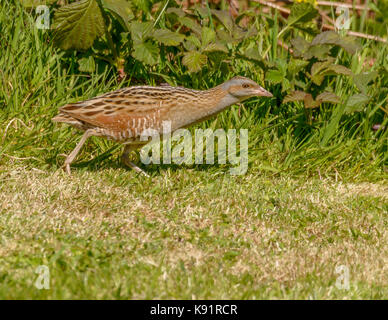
x,y
35,3
274,76
87,64
295,96
215,46
191,24
296,65
208,35
167,37
328,97
331,37
300,46
177,11
77,25
301,13
338,69
326,37
121,9
225,37
225,18
194,60
144,5
356,103
307,98
252,53
147,52
140,31
194,40
321,52
317,71
361,80
349,44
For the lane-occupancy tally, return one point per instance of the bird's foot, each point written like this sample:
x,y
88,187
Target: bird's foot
x,y
66,168
134,166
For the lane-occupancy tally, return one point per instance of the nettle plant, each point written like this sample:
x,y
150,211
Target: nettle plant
x,y
124,33
314,70
312,67
309,68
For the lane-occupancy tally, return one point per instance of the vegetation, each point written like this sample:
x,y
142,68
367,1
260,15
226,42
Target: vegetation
x,y
316,182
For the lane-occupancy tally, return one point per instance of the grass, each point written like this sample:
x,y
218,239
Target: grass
x,y
188,232
109,234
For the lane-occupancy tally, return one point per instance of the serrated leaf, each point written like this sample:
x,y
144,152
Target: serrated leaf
x,y
147,52
121,9
225,37
349,44
296,65
167,37
274,76
211,47
356,103
361,80
144,5
252,53
328,97
338,69
307,98
326,37
309,102
300,46
295,96
225,18
177,11
208,35
317,71
320,52
194,40
331,37
87,64
140,31
301,13
191,24
77,25
35,3
194,60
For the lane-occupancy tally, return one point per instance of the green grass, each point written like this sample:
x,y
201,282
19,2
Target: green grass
x,y
109,234
189,231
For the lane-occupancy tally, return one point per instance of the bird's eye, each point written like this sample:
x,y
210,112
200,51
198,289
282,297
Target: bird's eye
x,y
246,85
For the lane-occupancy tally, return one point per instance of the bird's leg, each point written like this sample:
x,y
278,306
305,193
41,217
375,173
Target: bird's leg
x,y
125,158
70,158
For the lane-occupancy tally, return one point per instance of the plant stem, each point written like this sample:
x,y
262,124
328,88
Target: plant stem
x,y
109,37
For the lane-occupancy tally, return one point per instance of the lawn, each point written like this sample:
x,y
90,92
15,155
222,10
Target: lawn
x,y
189,234
308,220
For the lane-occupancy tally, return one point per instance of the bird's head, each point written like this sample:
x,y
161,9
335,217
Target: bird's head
x,y
243,88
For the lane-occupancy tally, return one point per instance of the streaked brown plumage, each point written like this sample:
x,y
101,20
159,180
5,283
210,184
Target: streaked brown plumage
x,y
124,114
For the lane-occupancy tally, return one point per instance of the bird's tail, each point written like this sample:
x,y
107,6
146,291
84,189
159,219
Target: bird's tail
x,y
68,119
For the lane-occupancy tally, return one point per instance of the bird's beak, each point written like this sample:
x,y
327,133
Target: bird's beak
x,y
261,92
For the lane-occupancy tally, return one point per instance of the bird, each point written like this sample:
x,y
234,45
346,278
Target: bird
x,y
123,115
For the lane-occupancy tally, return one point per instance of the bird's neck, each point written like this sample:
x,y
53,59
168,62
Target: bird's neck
x,y
206,105
216,100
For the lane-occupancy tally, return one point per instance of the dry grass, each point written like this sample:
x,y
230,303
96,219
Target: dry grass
x,y
188,234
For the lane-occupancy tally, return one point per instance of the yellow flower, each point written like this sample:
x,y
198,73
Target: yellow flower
x,y
313,2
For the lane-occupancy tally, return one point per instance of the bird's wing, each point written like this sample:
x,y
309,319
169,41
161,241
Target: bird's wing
x,y
118,110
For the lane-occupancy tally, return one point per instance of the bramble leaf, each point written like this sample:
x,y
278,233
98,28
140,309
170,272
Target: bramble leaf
x,y
147,52
121,9
356,103
87,64
77,25
194,60
328,97
167,37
